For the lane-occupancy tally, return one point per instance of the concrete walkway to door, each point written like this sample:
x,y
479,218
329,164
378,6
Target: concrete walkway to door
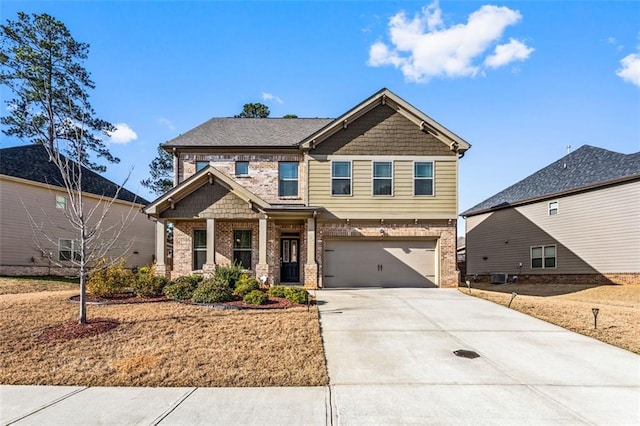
x,y
391,361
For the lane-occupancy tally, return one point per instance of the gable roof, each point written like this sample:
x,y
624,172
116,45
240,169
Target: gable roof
x,y
586,167
31,162
387,97
249,132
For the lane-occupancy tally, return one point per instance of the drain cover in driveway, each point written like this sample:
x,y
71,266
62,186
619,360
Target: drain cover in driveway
x,y
463,353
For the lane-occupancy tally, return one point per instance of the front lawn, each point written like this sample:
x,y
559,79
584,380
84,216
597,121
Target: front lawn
x,y
157,344
570,306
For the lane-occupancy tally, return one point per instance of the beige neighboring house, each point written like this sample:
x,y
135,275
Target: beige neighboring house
x,y
367,199
575,221
30,187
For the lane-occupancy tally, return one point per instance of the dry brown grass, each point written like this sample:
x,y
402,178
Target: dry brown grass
x,y
14,285
569,306
160,344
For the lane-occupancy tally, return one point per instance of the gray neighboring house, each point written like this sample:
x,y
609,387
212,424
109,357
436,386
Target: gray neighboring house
x,y
29,182
574,221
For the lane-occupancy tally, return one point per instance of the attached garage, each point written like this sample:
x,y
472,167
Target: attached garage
x,y
380,263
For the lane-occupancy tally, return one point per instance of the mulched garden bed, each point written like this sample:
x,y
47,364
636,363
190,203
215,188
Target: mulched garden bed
x,y
272,303
121,299
74,330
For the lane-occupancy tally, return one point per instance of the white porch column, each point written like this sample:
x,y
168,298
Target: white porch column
x,y
311,241
211,242
262,241
161,247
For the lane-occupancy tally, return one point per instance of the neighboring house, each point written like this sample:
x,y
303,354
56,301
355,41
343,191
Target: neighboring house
x,y
575,221
367,199
31,197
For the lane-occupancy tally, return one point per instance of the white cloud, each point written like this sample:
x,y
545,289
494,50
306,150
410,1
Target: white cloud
x,y
166,123
424,47
269,97
630,70
507,53
123,134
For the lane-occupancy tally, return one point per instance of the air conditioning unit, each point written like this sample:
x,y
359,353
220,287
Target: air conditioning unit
x,y
499,278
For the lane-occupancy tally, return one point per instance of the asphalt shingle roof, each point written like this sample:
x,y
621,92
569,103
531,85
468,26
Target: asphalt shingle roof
x,y
250,132
31,162
584,167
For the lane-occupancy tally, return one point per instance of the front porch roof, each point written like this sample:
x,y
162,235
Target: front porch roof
x,y
205,176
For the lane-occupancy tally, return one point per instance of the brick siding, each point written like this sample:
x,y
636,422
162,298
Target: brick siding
x,y
631,278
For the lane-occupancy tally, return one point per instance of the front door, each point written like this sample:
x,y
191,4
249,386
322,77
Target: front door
x,y
290,260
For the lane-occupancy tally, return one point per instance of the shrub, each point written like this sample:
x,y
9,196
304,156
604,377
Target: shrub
x,y
296,294
229,274
148,284
109,281
245,285
255,297
182,288
277,291
211,291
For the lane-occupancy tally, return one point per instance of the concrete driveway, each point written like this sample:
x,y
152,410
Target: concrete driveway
x,y
391,361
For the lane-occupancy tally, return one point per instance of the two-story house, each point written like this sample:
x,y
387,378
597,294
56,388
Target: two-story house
x,y
367,199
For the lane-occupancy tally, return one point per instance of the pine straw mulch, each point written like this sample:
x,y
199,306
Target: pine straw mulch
x,y
156,344
569,306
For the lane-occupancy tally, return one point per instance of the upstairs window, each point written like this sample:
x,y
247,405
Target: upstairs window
x,y
199,249
287,179
68,250
341,178
61,202
242,168
242,247
423,178
201,165
382,178
543,257
553,208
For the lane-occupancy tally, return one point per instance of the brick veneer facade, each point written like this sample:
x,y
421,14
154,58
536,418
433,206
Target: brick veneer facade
x,y
631,278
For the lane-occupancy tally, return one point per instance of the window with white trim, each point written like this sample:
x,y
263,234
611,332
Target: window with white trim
x,y
199,248
242,168
68,250
382,180
553,208
423,178
287,179
543,257
61,202
341,178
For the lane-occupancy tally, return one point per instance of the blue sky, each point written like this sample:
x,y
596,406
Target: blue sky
x,y
518,80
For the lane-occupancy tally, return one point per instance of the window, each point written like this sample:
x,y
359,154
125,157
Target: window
x,y
341,178
423,178
242,248
242,168
61,202
543,257
553,208
201,165
199,248
68,250
382,178
287,179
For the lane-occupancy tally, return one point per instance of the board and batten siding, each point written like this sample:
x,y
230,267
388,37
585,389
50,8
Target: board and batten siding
x,y
18,236
594,232
402,204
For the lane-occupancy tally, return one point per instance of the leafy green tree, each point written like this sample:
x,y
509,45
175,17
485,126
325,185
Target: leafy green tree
x,y
161,171
256,110
290,116
41,63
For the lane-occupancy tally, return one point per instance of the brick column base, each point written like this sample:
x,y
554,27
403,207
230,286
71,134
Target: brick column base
x,y
162,270
311,275
262,269
208,270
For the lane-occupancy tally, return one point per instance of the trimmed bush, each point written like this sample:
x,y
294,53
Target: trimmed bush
x,y
296,294
182,288
245,285
255,297
229,274
109,281
212,291
147,285
277,291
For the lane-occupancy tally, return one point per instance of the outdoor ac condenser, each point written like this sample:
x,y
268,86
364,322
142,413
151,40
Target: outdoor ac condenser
x,y
499,278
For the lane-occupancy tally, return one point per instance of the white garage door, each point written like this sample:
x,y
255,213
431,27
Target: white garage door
x,y
380,263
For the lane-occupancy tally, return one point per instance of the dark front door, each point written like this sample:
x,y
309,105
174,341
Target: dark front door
x,y
290,260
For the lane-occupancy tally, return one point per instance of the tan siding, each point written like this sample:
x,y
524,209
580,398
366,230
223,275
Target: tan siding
x,y
18,237
402,203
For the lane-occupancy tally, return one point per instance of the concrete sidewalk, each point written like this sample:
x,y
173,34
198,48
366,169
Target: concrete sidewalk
x,y
390,359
